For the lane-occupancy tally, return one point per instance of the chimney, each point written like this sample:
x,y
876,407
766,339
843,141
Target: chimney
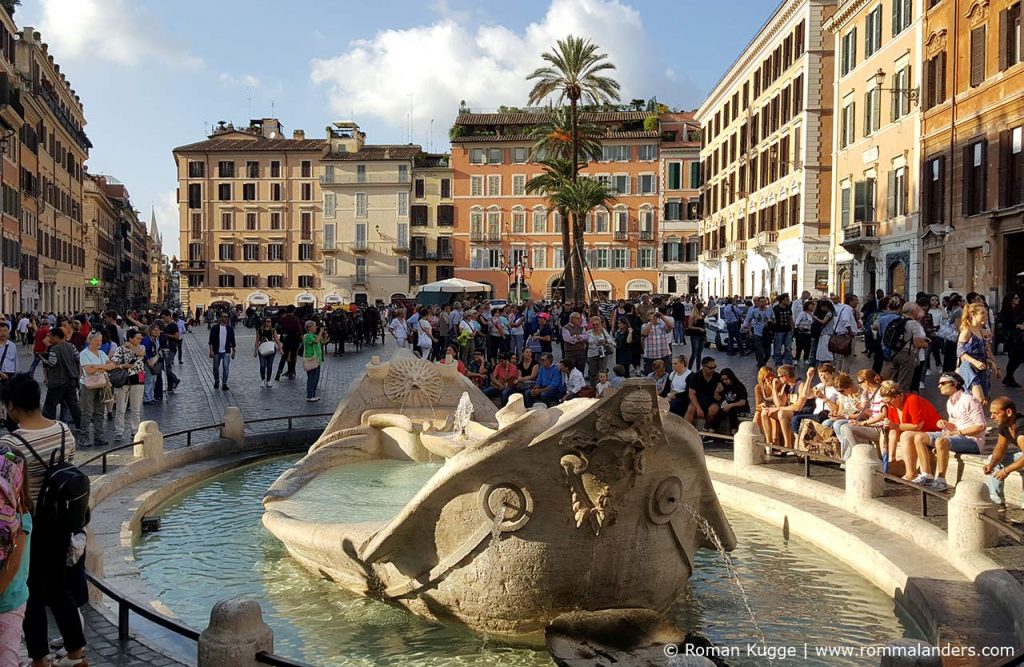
x,y
298,135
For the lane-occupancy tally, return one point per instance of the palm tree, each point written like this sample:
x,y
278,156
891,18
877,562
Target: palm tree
x,y
576,71
553,137
557,175
579,197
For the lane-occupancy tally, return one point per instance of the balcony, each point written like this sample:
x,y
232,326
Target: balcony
x,y
365,179
419,252
192,266
360,245
621,235
494,237
476,236
359,278
646,234
11,108
766,239
734,248
860,237
400,245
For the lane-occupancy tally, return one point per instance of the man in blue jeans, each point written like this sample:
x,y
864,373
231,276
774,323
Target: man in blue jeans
x,y
731,316
1007,457
549,386
783,329
222,349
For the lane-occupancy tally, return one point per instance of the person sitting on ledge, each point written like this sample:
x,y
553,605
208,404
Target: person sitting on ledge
x,y
906,415
477,369
503,376
701,386
617,376
962,433
549,387
574,381
1008,455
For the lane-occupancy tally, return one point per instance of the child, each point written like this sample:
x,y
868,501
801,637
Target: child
x,y
603,384
15,527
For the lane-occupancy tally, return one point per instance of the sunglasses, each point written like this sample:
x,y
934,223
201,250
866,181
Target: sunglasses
x,y
944,382
711,368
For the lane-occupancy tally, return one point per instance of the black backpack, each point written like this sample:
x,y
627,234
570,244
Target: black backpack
x,y
895,335
63,502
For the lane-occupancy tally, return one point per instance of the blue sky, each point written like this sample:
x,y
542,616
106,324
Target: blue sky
x,y
155,74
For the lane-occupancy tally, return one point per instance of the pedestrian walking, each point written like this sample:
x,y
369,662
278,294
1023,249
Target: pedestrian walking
x,y
128,397
268,344
62,377
222,351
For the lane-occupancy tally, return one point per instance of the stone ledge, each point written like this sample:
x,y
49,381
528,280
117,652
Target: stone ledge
x,y
971,466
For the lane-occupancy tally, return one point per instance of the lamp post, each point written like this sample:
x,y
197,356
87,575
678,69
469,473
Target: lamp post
x,y
521,270
911,94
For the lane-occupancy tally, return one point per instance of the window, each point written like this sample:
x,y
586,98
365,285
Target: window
x,y
477,156
1011,167
557,260
275,169
249,191
226,169
418,189
226,280
646,224
900,102
494,186
798,94
330,204
305,252
614,153
494,225
620,258
848,52
252,169
646,184
556,222
977,56
307,192
601,221
540,257
493,257
224,192
360,235
275,252
195,252
901,16
195,195
306,282
197,225
645,258
403,174
846,125
518,185
934,190
519,155
673,210
844,206
1009,37
494,155
330,266
872,111
446,188
306,169
601,258
226,252
275,192
402,205
445,215
476,186
540,221
935,80
675,175
227,220
196,169
444,247
360,204
873,31
974,178
897,195
694,175
864,201
361,270
518,221
330,237
647,152
306,220
620,184
275,220
251,223
251,252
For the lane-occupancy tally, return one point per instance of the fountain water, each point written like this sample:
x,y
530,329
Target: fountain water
x,y
463,415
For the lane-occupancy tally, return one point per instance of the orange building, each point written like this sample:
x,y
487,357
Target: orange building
x,y
510,240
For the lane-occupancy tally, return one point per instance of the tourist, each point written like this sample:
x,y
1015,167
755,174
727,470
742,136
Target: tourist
x,y
266,347
732,399
1007,456
603,386
824,313
656,336
39,345
503,377
701,387
528,368
290,328
575,384
623,343
838,336
182,330
399,329
729,314
478,370
974,348
600,346
16,508
95,389
950,333
424,333
516,329
545,332
758,325
8,354
1011,321
549,386
697,332
783,330
575,340
313,357
676,389
845,405
618,376
937,316
872,307
452,357
962,433
129,397
906,355
764,401
906,415
222,351
659,376
866,427
48,571
825,394
62,377
24,325
802,332
792,399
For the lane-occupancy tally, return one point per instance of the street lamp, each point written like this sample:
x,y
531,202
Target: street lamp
x,y
521,270
911,94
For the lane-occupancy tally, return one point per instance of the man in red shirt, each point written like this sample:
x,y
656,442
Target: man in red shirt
x,y
906,415
40,345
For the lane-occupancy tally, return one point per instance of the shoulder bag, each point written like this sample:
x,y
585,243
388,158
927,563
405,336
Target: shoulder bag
x,y
267,348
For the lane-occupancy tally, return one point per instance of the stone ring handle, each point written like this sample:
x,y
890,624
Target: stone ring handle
x,y
506,505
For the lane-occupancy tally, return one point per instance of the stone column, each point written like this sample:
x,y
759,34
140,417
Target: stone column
x,y
747,446
862,479
234,425
966,531
149,441
235,634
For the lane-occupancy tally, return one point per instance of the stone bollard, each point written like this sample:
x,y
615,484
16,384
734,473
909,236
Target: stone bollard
x,y
149,441
862,479
234,425
966,531
747,446
235,635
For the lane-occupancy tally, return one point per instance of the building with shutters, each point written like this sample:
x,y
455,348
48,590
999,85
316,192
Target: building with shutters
x,y
680,203
766,155
876,156
510,240
972,169
431,221
104,250
250,218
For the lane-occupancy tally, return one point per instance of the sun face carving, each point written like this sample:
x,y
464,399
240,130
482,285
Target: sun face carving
x,y
413,382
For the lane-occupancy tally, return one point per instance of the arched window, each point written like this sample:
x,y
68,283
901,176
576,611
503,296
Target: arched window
x,y
518,220
540,220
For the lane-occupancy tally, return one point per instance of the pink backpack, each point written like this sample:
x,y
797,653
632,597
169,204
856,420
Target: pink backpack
x,y
11,478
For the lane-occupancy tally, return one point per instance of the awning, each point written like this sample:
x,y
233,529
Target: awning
x,y
455,286
332,299
258,299
305,298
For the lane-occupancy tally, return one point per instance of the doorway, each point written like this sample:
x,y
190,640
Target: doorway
x,y
1013,245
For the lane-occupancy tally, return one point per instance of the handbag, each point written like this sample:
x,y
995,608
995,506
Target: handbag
x,y
841,344
267,348
95,380
118,377
310,363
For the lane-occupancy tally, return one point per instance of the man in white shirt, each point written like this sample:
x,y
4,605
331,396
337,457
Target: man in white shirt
x,y
23,324
8,353
572,378
845,323
182,329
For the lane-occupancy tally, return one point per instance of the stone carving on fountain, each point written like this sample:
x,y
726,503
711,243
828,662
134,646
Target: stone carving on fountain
x,y
592,504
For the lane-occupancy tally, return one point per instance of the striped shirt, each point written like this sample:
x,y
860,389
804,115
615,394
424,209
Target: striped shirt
x,y
44,441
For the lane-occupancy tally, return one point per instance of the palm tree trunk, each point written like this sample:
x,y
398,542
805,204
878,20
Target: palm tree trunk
x,y
576,263
567,272
579,261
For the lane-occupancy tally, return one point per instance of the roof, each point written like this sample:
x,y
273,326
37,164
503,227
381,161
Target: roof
x,y
521,118
254,144
379,152
492,138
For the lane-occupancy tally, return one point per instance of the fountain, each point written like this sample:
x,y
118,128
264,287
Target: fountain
x,y
535,513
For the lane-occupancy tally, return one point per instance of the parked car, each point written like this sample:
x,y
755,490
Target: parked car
x,y
717,332
497,303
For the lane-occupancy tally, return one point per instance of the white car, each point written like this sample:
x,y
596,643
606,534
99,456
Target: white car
x,y
497,303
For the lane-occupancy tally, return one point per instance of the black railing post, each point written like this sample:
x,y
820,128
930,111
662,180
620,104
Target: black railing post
x,y
188,439
807,466
924,503
104,463
122,620
289,423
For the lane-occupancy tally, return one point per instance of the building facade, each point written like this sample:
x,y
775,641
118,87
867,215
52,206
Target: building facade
x,y
158,267
766,160
431,222
679,197
103,247
250,217
366,202
876,156
972,195
12,119
510,240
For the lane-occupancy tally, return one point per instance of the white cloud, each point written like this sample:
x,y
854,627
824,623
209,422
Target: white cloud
x,y
167,221
114,30
431,68
245,80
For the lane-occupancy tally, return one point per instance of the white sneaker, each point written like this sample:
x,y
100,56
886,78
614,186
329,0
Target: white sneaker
x,y
939,484
924,479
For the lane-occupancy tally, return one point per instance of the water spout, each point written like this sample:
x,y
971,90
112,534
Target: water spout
x,y
463,414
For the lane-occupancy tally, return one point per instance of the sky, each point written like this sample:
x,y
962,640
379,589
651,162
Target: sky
x,y
155,74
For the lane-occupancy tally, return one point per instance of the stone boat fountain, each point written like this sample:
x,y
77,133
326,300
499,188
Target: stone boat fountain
x,y
589,505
